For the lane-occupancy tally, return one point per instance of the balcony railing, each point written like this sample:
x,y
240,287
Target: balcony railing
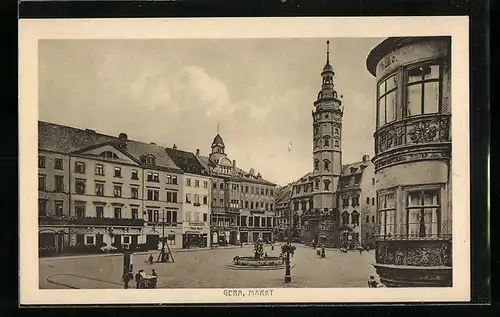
x,y
436,232
89,221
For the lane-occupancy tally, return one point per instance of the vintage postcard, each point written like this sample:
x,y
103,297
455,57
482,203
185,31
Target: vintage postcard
x,y
284,160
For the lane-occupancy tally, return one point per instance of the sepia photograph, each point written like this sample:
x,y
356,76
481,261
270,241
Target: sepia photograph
x,y
244,166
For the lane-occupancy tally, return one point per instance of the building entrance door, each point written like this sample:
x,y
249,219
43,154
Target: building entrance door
x,y
152,241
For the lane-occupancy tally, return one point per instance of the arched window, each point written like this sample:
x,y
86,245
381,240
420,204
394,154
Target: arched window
x,y
345,201
326,164
345,218
108,154
303,205
355,200
317,184
337,143
355,218
327,184
316,164
326,140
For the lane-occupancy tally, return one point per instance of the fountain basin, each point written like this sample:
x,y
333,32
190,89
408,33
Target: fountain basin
x,y
252,263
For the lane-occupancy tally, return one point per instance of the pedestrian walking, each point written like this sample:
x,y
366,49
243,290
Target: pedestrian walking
x,y
138,280
150,258
126,279
360,250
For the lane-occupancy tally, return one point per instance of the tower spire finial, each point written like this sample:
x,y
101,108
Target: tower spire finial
x,y
327,52
218,128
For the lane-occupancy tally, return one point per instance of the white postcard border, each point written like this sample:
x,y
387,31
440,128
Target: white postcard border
x,y
34,29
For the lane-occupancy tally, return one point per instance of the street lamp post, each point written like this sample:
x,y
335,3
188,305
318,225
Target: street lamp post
x,y
286,250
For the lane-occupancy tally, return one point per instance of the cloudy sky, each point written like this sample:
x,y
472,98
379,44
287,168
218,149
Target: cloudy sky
x,y
260,91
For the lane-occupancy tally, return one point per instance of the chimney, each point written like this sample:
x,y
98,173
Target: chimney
x,y
252,171
366,158
123,136
175,147
234,163
197,152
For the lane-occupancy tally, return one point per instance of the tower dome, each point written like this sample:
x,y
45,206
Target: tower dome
x,y
218,141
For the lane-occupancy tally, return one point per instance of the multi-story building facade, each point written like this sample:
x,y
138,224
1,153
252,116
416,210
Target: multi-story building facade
x,y
196,200
106,191
413,160
356,204
283,218
242,203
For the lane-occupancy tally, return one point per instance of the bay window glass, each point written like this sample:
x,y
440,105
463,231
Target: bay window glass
x,y
387,101
386,214
422,90
423,213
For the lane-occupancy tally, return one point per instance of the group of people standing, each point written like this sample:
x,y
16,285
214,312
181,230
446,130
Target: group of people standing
x,y
142,280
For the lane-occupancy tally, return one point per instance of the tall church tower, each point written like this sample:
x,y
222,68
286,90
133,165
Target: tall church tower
x,y
327,146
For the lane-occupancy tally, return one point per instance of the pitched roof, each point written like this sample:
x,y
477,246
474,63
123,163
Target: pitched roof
x,y
186,161
346,169
65,139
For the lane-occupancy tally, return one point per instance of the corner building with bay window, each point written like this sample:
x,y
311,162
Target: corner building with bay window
x,y
413,161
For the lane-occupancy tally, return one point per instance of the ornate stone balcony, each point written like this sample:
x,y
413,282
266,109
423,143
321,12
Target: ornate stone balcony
x,y
425,137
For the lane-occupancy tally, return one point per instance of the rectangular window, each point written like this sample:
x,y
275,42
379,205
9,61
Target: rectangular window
x,y
79,167
196,183
80,211
135,213
246,189
423,213
134,192
41,182
251,190
117,191
59,180
59,208
41,162
422,90
99,169
156,216
89,240
272,192
135,174
196,216
58,164
250,221
214,185
174,216
221,185
118,172
156,177
150,215
99,212
188,198
205,217
188,216
373,201
367,200
80,186
153,194
205,184
126,239
80,239
205,200
196,199
222,202
387,100
251,205
42,208
272,207
386,214
171,197
118,212
99,189
188,182
262,191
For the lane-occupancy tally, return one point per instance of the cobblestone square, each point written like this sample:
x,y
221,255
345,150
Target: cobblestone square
x,y
206,269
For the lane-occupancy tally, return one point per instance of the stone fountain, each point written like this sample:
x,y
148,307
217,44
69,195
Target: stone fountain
x,y
259,260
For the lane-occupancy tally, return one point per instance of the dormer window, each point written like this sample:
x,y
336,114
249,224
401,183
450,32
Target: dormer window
x,y
149,160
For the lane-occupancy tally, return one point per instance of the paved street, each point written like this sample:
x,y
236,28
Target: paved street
x,y
206,269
